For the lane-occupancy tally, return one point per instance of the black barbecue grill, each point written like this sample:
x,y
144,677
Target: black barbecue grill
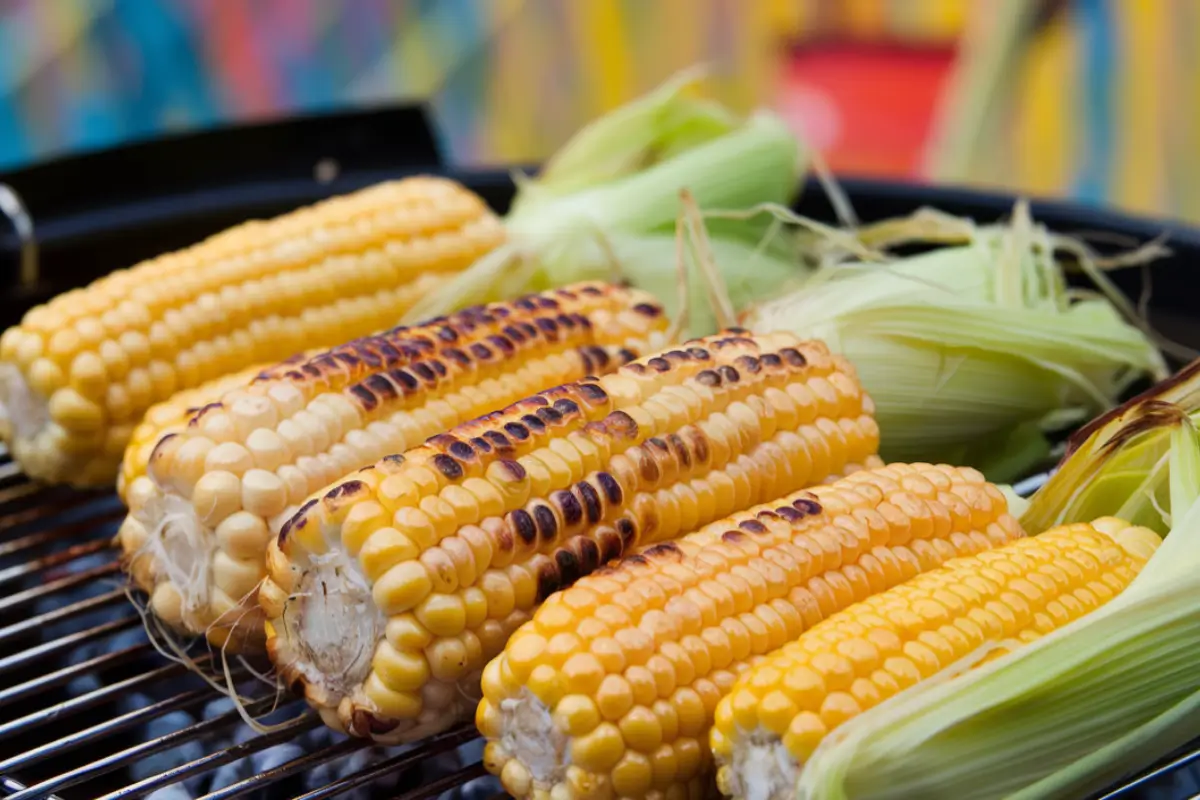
x,y
89,707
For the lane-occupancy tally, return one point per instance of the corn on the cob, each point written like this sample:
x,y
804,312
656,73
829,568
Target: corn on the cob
x,y
217,490
780,710
78,373
170,416
387,595
610,690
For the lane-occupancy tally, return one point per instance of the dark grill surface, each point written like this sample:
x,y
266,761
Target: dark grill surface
x,y
90,709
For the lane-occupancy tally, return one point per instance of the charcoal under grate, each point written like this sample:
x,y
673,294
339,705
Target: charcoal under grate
x,y
90,709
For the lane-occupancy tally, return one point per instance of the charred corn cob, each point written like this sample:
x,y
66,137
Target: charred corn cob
x,y
780,710
610,690
170,416
216,490
78,373
388,594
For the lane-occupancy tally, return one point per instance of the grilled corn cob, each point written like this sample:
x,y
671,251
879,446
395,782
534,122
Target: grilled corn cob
x,y
610,690
781,709
215,492
78,373
387,595
170,416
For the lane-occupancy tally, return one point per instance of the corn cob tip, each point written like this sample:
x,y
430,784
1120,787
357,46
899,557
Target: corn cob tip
x,y
219,485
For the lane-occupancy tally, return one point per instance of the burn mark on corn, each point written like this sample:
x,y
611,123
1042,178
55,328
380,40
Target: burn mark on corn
x,y
547,523
807,507
627,531
659,364
752,526
549,416
346,489
569,506
404,380
589,555
591,502
463,451
620,425
733,537
517,431
665,550
593,291
296,522
565,407
729,374
610,487
394,460
533,423
423,371
200,412
157,452
771,360
446,465
380,386
647,466
457,356
592,393
525,303
679,448
609,542
793,357
548,580
524,525
549,328
365,723
699,353
709,377
636,369
499,441
568,566
505,346
364,396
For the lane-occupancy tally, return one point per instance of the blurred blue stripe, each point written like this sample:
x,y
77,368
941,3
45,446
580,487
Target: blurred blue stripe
x,y
1094,18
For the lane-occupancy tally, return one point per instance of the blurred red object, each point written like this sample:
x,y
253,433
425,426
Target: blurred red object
x,y
866,106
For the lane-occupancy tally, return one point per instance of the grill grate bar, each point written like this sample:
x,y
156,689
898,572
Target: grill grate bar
x,y
55,586
435,788
286,731
53,560
66,643
66,674
434,745
48,509
13,493
60,614
244,787
103,729
74,530
89,699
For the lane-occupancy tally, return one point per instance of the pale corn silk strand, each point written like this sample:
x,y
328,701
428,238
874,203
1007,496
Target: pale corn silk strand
x,y
1028,724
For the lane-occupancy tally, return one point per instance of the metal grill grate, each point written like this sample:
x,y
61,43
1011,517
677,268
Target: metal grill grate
x,y
90,709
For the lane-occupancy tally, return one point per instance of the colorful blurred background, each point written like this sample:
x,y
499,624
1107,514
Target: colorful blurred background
x,y
1091,99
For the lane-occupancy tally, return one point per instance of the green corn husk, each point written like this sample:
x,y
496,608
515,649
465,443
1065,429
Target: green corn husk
x,y
605,206
1076,710
974,350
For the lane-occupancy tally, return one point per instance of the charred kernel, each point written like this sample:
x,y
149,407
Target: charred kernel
x,y
516,431
533,423
546,522
807,507
626,355
612,489
680,450
664,550
312,370
771,360
549,327
733,537
752,526
793,356
423,371
569,506
566,407
381,386
592,393
589,556
438,367
525,303
786,513
568,566
729,374
514,334
523,523
699,353
567,321
481,444
528,329
546,302
647,309
699,445
621,424
500,442
345,489
513,468
501,344
748,364
709,377
659,364
405,380
549,416
457,356
636,369
448,466
591,502
480,351
548,580
447,334
462,450
628,531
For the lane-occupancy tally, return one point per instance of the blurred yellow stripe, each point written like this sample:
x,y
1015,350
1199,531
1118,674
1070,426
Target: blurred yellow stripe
x,y
1139,163
1043,129
604,55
